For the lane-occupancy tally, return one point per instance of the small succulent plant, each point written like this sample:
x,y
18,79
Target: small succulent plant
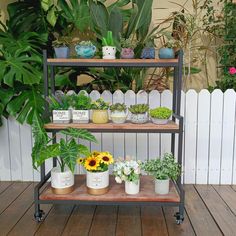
x,y
80,102
118,107
160,113
99,104
139,108
86,43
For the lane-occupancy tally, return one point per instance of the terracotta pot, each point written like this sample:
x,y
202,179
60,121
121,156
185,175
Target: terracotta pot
x,y
100,116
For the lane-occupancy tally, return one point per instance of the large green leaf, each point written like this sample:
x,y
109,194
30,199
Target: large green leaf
x,y
116,22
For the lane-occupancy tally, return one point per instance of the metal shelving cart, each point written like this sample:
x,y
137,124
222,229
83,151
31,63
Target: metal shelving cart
x,y
115,197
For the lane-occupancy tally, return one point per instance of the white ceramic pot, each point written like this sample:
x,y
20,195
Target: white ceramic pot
x,y
80,116
159,121
132,187
61,116
109,52
62,182
139,118
118,117
97,182
162,186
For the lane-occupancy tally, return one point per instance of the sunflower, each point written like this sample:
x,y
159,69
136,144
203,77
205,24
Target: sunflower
x,y
106,158
80,161
95,153
91,163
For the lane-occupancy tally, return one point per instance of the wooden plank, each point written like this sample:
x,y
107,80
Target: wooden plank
x,y
80,221
199,215
128,126
128,221
215,136
56,220
190,136
153,221
5,163
130,139
104,221
228,137
222,214
4,186
116,192
16,210
27,224
203,137
10,194
154,139
228,195
184,229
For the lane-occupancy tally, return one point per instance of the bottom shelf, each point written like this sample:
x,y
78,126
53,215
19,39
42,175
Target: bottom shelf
x,y
116,192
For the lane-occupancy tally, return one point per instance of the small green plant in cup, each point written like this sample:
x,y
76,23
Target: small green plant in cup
x,y
160,115
118,113
139,113
100,111
108,49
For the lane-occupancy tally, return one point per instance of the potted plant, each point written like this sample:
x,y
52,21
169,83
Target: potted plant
x,y
118,113
66,152
167,51
59,105
160,115
97,175
127,48
108,49
163,170
148,52
61,47
128,171
139,113
81,105
85,49
100,111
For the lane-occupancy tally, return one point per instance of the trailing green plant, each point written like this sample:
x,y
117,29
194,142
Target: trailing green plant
x,y
162,169
118,107
99,104
108,40
61,102
66,150
139,108
160,113
80,102
63,41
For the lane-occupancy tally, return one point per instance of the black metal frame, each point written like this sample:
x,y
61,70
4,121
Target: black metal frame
x,y
177,85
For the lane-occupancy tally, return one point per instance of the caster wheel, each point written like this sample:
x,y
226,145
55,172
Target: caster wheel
x,y
38,216
179,218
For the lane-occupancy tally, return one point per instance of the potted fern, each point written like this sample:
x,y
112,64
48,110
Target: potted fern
x,y
66,152
81,105
108,49
118,113
163,169
127,48
139,113
160,115
100,111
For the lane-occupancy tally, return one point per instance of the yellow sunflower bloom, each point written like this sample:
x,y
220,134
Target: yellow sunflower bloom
x,y
106,158
91,163
95,153
80,161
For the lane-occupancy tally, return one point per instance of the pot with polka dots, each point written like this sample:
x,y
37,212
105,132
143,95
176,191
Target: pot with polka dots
x,y
109,52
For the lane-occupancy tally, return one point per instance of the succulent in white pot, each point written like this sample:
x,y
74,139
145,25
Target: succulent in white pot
x,y
109,48
160,115
163,169
139,113
118,113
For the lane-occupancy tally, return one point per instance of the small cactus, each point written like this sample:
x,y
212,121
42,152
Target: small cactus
x,y
139,108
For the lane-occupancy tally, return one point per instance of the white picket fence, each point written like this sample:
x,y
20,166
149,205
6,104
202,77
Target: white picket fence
x,y
209,155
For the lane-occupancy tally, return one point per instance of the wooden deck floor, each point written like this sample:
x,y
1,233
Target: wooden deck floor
x,y
210,210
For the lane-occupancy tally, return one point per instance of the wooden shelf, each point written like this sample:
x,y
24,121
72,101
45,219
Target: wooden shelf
x,y
149,127
116,192
112,62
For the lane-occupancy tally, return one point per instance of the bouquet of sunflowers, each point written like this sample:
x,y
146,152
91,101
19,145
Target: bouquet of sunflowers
x,y
97,161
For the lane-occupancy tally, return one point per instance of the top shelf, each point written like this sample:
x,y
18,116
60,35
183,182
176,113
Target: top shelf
x,y
112,63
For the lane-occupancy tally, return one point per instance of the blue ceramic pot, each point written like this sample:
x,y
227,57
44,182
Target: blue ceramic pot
x,y
85,51
148,53
62,52
166,53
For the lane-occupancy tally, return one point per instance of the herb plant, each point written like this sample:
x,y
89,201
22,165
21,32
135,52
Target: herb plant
x,y
100,104
164,168
80,102
139,108
160,113
118,107
61,102
108,40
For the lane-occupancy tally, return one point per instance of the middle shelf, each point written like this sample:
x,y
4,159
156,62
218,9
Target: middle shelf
x,y
127,127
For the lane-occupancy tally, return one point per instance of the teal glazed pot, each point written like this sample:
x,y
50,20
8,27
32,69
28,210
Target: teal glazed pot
x,y
85,51
166,53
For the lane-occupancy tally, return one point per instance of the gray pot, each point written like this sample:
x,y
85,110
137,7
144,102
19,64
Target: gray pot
x,y
139,118
159,121
62,52
162,186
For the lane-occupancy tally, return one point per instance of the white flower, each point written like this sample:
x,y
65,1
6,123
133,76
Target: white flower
x,y
118,180
127,170
137,171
